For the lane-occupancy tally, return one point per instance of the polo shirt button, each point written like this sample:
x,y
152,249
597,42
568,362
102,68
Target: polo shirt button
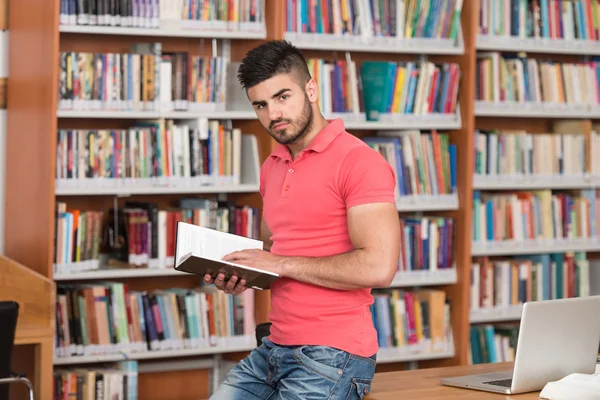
x,y
287,187
291,171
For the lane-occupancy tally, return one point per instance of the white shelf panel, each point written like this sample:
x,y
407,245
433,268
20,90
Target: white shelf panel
x,y
496,314
117,273
408,121
146,190
413,353
424,278
150,355
330,42
167,31
511,247
533,110
537,45
116,114
505,182
427,203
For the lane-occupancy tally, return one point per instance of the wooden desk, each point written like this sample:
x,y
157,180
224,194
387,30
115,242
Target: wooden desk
x,y
35,325
424,384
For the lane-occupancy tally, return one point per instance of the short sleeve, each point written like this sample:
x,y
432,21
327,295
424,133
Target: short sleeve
x,y
365,176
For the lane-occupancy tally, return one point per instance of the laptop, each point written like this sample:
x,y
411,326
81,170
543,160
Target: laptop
x,y
556,338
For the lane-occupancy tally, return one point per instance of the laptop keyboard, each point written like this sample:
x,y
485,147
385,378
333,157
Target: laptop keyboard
x,y
503,382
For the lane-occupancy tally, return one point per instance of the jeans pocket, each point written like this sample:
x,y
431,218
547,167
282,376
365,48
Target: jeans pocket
x,y
325,361
359,388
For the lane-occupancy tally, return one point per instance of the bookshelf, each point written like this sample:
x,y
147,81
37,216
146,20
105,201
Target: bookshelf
x,y
36,41
555,114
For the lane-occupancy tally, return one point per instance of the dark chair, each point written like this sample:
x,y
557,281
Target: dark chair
x,y
9,311
262,330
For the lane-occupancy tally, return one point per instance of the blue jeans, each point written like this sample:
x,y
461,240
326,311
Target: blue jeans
x,y
298,372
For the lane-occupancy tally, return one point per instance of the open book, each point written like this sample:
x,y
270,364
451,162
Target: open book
x,y
573,386
200,251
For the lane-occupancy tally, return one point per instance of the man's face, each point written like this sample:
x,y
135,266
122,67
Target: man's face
x,y
283,107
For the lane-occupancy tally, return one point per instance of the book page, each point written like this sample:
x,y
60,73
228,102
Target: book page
x,y
209,243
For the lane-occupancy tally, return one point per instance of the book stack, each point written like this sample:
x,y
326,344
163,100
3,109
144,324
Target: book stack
x,y
111,318
493,343
387,18
512,281
112,381
578,19
521,154
145,79
424,163
533,216
520,79
140,234
427,243
164,152
413,321
156,14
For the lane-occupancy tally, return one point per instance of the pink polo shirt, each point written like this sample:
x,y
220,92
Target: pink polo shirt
x,y
305,203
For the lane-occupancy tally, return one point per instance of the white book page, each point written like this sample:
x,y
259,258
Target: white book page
x,y
209,243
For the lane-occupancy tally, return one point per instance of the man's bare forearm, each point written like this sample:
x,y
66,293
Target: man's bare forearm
x,y
355,269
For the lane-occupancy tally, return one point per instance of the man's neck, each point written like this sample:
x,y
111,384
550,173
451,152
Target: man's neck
x,y
319,123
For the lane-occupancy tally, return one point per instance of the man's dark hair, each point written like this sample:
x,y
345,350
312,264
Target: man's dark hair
x,y
272,58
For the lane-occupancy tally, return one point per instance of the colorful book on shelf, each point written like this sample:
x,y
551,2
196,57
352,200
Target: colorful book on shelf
x,y
200,251
107,318
535,215
382,18
512,281
547,19
416,319
409,88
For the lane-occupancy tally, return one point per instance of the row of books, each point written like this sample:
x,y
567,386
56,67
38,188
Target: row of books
x,y
521,153
550,19
154,13
112,318
418,88
493,343
535,215
424,163
510,281
201,149
518,78
427,243
418,319
113,381
140,234
367,18
145,79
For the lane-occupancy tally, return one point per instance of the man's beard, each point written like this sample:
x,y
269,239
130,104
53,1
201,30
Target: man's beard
x,y
304,121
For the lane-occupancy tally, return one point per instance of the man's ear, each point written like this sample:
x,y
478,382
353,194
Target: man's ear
x,y
312,90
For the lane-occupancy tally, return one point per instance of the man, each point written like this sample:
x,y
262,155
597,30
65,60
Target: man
x,y
330,221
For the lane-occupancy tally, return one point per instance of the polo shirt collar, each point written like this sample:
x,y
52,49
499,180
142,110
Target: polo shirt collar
x,y
319,143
